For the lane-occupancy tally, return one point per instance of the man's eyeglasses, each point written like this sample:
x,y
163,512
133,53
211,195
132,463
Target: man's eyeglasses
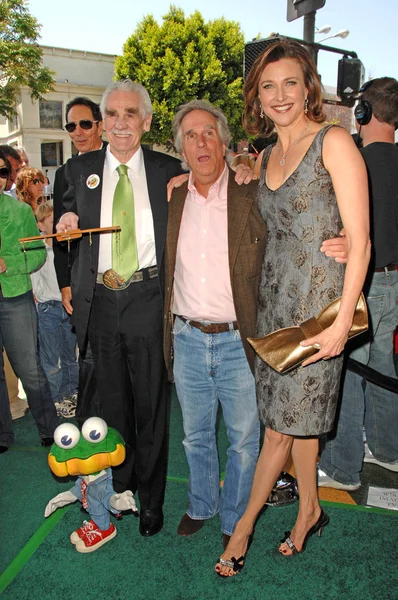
x,y
4,172
84,124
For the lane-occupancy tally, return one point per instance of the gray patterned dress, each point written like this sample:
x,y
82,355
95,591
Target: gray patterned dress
x,y
297,281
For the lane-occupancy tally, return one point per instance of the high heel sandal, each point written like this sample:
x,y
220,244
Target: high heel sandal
x,y
235,564
322,521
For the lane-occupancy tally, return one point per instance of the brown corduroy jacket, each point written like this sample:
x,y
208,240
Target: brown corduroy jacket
x,y
246,240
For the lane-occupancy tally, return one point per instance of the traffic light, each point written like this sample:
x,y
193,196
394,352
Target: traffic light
x,y
350,78
299,8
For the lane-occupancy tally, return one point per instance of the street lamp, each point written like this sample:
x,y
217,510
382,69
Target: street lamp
x,y
343,34
324,29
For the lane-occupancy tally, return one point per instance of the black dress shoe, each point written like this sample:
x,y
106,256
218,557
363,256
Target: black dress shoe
x,y
3,449
188,526
151,521
47,441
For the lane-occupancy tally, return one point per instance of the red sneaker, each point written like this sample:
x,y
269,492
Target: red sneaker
x,y
80,533
94,539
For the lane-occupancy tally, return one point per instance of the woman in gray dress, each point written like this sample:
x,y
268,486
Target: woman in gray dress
x,y
312,180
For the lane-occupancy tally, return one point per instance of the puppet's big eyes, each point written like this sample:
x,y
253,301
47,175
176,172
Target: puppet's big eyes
x,y
66,436
94,430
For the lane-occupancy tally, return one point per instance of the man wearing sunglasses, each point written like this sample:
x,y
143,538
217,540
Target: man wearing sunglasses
x,y
120,309
84,125
16,164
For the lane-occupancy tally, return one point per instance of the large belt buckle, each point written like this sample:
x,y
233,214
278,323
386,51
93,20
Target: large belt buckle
x,y
113,281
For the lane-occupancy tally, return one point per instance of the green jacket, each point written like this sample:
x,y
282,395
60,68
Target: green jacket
x,y
17,221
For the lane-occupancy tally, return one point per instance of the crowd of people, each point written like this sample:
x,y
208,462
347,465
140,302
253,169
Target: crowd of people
x,y
206,257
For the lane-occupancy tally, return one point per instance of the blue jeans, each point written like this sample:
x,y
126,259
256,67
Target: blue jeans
x,y
18,335
57,349
208,369
98,495
365,404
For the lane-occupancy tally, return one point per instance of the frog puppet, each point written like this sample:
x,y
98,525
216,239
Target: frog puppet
x,y
90,454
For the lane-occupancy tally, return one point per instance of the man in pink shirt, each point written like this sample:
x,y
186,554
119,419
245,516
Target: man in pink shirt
x,y
215,245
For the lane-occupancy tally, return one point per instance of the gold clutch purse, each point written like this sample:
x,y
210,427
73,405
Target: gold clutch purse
x,y
281,349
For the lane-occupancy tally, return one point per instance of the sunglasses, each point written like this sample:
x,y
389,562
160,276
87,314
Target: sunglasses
x,y
84,124
4,173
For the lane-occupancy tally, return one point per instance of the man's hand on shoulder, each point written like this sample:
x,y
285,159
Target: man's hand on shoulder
x,y
174,183
244,174
336,248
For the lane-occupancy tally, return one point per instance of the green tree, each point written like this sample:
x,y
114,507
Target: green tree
x,y
182,59
20,56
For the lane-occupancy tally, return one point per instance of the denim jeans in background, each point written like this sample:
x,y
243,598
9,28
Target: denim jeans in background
x,y
58,349
19,337
366,404
210,369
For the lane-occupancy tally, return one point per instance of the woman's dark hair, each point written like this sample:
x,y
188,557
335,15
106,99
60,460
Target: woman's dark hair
x,y
252,122
6,161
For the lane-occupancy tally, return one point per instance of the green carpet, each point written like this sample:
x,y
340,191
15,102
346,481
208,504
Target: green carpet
x,y
355,559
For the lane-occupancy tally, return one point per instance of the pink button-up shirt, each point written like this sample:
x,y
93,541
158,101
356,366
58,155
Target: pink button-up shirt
x,y
202,284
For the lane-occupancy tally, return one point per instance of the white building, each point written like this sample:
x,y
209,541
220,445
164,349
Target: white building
x,y
38,125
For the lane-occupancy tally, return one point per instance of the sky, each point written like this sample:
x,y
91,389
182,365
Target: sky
x,y
104,25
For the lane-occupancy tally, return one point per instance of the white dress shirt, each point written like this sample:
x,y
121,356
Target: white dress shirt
x,y
143,213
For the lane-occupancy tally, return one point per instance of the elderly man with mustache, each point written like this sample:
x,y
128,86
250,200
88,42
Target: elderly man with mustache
x,y
117,284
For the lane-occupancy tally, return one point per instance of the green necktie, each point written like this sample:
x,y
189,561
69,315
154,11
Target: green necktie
x,y
124,244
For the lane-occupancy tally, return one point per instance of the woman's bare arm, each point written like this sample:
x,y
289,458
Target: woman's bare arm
x,y
348,172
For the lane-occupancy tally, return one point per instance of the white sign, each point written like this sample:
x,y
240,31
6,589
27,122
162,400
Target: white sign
x,y
383,498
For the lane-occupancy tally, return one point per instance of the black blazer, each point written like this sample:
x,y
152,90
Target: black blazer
x,y
63,259
86,203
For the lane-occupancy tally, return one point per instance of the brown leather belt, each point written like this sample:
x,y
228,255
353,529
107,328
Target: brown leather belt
x,y
211,327
390,267
114,283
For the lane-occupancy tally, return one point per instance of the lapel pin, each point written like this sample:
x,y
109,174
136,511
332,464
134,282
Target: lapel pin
x,y
92,181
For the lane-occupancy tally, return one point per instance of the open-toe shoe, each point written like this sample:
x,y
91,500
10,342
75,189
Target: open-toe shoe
x,y
235,564
322,521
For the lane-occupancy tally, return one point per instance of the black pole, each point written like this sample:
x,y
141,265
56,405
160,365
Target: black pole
x,y
309,32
